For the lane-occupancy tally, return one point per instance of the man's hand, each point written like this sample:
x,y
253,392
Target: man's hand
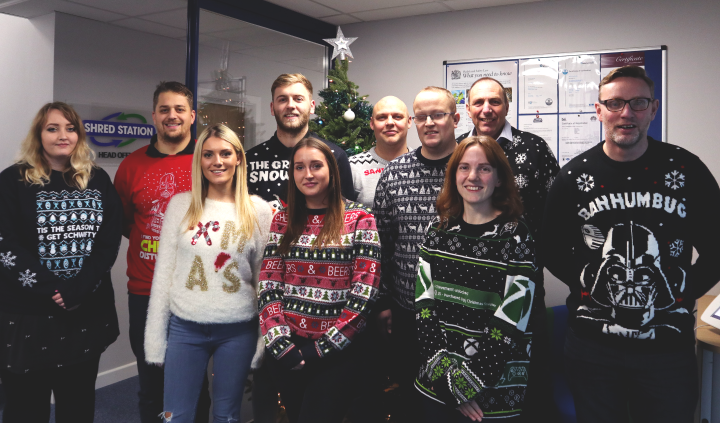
x,y
471,410
299,366
384,322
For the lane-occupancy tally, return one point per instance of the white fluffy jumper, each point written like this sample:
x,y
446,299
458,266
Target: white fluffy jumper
x,y
205,282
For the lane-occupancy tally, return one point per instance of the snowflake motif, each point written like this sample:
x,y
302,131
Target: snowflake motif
x,y
425,313
462,384
304,239
318,293
337,337
521,181
676,248
437,372
27,278
549,183
496,334
357,289
674,180
506,339
302,291
515,142
334,296
470,393
7,260
585,182
521,158
486,329
446,362
284,330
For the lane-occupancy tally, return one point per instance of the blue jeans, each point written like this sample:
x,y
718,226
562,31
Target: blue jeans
x,y
189,348
150,376
609,385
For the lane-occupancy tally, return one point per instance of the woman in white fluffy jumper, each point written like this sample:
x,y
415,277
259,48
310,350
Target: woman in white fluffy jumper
x,y
203,300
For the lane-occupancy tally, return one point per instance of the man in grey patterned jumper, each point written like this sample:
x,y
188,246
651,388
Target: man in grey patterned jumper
x,y
404,205
390,121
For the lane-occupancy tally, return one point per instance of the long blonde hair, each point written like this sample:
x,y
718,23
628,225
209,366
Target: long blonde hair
x,y
34,167
244,206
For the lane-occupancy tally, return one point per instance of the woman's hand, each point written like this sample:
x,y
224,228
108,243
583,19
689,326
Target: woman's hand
x,y
471,410
59,301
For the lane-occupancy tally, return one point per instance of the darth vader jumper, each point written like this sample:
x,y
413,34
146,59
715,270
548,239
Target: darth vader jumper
x,y
621,235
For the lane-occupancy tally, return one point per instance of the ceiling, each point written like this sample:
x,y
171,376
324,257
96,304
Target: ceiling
x,y
169,18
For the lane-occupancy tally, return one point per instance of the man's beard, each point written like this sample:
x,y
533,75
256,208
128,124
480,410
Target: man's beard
x,y
297,127
175,139
623,142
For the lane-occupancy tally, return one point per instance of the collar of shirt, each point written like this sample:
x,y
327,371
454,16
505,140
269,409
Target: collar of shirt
x,y
506,132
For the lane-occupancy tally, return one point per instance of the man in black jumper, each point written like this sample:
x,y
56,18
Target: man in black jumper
x,y
535,168
269,162
621,223
404,205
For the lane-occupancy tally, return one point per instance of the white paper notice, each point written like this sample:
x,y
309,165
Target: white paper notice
x,y
544,126
538,85
577,134
578,83
459,78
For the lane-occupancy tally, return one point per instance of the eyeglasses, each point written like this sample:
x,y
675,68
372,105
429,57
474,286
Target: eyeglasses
x,y
422,119
617,104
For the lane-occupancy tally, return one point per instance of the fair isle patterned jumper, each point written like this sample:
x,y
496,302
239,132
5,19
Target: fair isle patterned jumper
x,y
474,295
320,294
404,205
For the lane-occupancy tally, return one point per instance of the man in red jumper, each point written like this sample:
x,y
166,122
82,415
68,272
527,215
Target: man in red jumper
x,y
146,181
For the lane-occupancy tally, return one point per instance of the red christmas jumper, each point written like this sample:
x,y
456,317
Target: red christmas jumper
x,y
322,294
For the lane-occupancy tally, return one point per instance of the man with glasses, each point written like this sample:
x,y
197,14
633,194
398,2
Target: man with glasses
x,y
534,167
404,205
621,223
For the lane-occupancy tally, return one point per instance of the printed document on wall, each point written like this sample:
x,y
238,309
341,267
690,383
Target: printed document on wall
x,y
538,85
461,76
544,126
578,83
577,134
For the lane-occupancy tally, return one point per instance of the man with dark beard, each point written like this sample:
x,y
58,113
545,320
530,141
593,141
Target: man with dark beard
x,y
268,163
146,181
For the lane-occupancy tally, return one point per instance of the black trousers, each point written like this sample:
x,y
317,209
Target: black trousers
x,y
151,377
322,390
28,395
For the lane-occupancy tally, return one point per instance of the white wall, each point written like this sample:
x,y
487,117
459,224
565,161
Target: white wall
x,y
101,65
401,56
26,77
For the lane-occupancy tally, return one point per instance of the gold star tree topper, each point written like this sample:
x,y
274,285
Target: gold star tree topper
x,y
341,45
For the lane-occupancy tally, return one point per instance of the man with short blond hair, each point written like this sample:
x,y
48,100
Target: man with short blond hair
x,y
404,205
390,122
269,162
621,224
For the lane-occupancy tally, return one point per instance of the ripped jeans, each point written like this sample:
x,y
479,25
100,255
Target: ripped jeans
x,y
190,345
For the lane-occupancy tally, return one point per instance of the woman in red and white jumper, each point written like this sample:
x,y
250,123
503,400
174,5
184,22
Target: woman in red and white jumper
x,y
319,278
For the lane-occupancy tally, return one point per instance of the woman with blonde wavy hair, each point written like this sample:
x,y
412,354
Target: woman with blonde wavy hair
x,y
203,300
60,229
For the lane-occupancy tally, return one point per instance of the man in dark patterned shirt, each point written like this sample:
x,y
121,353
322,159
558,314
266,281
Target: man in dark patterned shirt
x,y
404,205
534,167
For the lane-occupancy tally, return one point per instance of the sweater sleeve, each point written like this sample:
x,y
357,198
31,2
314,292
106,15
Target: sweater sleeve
x,y
271,307
123,187
18,265
704,274
364,284
383,211
159,306
556,250
105,246
264,216
433,343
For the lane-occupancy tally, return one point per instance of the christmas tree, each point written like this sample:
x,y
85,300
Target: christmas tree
x,y
344,116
